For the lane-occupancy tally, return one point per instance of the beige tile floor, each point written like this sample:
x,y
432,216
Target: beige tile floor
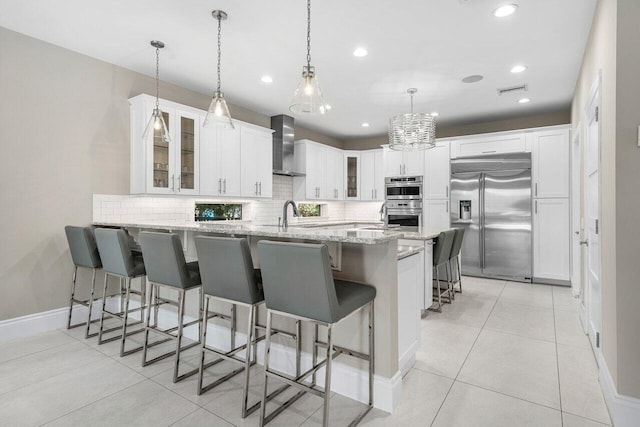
x,y
504,354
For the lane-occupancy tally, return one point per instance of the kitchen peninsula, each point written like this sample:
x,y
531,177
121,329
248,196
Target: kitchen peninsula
x,y
361,252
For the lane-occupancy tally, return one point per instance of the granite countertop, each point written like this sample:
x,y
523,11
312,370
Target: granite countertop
x,y
359,232
407,251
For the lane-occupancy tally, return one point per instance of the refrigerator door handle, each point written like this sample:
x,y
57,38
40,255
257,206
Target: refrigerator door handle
x,y
481,223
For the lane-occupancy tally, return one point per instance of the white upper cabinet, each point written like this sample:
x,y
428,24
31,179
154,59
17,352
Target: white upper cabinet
x,y
220,161
550,163
371,175
158,167
310,158
490,144
256,162
551,239
437,171
334,175
403,163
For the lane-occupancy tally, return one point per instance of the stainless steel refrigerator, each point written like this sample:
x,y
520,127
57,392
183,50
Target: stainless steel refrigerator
x,y
491,198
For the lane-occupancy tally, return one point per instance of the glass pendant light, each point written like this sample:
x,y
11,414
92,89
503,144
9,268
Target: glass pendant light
x,y
218,113
307,99
413,131
157,126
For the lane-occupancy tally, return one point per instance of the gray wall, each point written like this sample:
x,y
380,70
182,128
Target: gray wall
x,y
64,121
561,117
627,178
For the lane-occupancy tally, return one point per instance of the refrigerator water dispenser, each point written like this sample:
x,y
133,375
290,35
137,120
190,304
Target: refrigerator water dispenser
x,y
465,209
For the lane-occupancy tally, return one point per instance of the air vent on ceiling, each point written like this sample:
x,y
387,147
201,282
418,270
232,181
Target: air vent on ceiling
x,y
512,90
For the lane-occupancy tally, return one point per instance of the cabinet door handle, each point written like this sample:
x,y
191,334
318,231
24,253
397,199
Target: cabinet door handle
x,y
260,188
447,206
225,185
536,207
178,186
255,191
219,185
400,169
376,193
536,189
447,190
173,186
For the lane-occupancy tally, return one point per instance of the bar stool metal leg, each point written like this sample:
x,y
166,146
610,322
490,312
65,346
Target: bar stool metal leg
x,y
247,364
267,350
327,380
73,295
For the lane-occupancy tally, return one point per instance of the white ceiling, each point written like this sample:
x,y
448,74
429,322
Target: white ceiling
x,y
427,44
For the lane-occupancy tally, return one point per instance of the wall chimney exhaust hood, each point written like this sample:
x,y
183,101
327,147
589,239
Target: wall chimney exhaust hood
x,y
283,138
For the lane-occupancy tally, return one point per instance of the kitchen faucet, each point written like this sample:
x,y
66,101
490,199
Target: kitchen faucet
x,y
383,211
285,222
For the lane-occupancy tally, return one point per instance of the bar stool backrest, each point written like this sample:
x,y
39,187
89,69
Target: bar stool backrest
x,y
226,269
457,242
297,279
114,251
442,248
164,259
83,248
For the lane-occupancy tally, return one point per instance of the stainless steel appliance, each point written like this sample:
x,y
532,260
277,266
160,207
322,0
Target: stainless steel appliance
x,y
403,200
491,198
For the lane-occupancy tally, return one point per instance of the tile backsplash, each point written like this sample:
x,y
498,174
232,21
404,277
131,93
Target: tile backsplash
x,y
134,208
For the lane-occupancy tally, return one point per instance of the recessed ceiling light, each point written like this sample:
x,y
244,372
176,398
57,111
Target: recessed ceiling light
x,y
327,107
506,10
266,79
472,79
365,125
360,52
524,100
435,114
518,69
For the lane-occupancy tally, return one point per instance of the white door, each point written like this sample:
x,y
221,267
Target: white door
x,y
379,175
250,162
228,161
592,222
437,172
210,183
316,182
576,229
334,175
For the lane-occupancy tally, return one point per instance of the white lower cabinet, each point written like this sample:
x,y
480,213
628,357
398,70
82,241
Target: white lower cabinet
x,y
410,290
435,214
551,240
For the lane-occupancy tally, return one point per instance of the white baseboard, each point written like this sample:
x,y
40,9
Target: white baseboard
x,y
33,324
624,410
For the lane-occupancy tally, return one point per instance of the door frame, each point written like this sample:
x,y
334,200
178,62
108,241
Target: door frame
x,y
594,101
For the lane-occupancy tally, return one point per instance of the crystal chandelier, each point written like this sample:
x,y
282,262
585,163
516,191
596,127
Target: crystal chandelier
x,y
156,122
218,113
413,131
307,98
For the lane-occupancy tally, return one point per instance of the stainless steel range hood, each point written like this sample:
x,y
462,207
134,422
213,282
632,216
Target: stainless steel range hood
x,y
283,138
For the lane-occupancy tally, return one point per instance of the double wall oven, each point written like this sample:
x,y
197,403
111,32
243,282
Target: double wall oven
x,y
403,198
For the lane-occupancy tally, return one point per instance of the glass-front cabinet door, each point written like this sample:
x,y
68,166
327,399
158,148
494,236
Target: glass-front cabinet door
x,y
352,176
188,133
162,157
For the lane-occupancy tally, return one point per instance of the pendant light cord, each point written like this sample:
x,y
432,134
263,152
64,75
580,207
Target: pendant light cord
x,y
157,78
411,103
309,34
219,48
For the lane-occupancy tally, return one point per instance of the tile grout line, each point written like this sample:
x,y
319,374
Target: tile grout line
x,y
555,333
38,351
465,359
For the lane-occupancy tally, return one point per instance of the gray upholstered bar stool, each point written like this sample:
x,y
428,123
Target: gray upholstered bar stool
x,y
228,275
84,253
167,267
119,261
441,253
454,261
298,284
